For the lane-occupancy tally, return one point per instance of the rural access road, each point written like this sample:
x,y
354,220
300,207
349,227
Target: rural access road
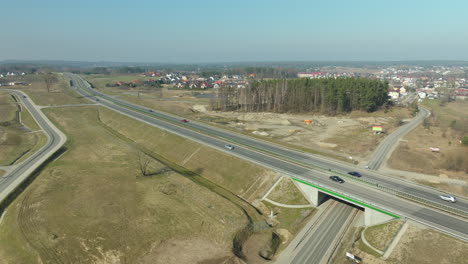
x,y
55,140
296,164
386,147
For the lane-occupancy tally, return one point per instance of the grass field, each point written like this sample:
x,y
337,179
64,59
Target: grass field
x,y
15,141
418,245
443,129
92,206
286,192
28,120
198,158
291,219
380,236
8,107
59,94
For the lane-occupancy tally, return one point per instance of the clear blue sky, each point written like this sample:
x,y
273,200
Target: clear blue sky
x,y
234,30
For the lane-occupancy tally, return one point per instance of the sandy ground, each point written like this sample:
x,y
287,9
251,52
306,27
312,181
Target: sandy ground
x,y
323,133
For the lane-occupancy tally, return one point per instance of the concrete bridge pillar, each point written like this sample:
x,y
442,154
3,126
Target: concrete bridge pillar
x,y
373,217
313,195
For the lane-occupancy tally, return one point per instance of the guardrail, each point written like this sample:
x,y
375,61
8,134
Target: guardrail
x,y
370,183
346,196
410,196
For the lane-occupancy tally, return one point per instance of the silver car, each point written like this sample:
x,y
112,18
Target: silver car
x,y
448,198
229,146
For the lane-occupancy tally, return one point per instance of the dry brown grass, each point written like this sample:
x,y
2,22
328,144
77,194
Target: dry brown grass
x,y
413,153
15,141
381,236
234,174
286,192
417,246
361,141
7,107
426,246
60,94
92,207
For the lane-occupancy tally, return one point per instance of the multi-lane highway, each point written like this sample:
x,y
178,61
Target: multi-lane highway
x,y
296,164
55,139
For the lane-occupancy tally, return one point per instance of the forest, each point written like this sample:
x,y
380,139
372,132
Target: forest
x,y
327,96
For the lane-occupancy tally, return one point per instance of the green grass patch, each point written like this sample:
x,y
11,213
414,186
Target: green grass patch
x,y
28,120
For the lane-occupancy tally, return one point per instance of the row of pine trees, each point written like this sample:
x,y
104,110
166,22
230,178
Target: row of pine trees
x,y
328,96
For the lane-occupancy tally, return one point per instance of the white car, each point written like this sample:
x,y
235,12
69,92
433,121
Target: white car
x,y
229,146
448,198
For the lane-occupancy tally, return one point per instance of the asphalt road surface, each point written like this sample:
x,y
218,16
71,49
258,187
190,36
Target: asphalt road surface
x,y
386,146
279,158
55,139
316,243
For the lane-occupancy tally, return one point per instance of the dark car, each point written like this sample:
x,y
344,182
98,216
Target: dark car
x,y
355,173
337,179
184,120
151,110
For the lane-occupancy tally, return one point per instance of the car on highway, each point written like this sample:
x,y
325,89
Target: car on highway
x,y
448,198
24,96
150,110
229,146
184,120
337,179
355,174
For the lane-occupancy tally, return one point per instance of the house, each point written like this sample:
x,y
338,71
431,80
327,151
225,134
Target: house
x,y
204,85
461,93
394,95
216,86
422,95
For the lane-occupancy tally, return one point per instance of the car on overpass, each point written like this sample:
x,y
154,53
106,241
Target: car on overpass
x,y
336,178
355,174
448,198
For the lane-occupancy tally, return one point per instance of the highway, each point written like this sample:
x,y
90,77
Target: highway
x,y
296,164
315,245
55,139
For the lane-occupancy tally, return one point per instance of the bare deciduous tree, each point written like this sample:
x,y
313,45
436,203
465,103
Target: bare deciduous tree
x,y
143,163
49,80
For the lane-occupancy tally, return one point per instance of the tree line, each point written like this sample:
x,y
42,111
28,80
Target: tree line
x,y
328,96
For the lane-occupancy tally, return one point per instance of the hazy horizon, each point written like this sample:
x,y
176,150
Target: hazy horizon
x,y
244,31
